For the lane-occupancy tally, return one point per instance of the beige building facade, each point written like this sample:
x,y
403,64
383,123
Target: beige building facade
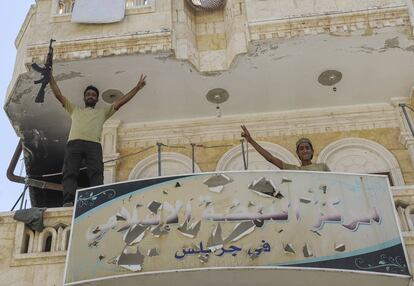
x,y
268,55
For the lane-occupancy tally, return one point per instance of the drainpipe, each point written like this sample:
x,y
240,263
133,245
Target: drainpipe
x,y
24,180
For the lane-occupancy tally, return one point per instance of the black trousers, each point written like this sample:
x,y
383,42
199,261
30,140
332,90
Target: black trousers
x,y
76,151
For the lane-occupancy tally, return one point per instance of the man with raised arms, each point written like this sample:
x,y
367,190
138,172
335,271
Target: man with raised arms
x,y
304,150
84,142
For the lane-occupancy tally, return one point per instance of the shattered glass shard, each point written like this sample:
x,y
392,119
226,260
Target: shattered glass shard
x,y
135,234
215,240
131,261
258,222
159,230
306,251
240,230
305,200
189,231
288,247
217,182
340,247
263,187
154,206
153,252
286,180
203,258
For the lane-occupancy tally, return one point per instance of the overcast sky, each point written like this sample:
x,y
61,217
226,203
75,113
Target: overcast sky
x,y
12,15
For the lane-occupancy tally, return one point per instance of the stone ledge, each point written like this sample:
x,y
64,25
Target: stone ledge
x,y
263,125
153,42
334,24
38,258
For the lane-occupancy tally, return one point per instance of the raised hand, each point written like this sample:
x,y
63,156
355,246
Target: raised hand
x,y
141,82
245,133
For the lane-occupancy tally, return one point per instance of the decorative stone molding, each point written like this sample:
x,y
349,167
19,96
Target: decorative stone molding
x,y
336,24
171,164
49,246
297,122
109,149
154,41
233,159
406,138
358,155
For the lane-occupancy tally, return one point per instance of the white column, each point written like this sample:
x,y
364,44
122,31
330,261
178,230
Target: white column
x,y
109,148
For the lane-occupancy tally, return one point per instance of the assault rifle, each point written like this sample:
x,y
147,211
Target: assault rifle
x,y
45,72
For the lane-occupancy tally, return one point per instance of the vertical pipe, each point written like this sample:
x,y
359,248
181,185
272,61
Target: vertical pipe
x,y
193,156
407,118
159,144
244,155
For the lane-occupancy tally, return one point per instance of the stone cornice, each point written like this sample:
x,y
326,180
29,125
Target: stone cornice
x,y
156,41
335,24
296,122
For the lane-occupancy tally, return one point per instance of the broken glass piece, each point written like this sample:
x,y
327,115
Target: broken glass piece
x,y
124,228
306,251
153,252
258,222
159,230
203,258
305,200
135,234
177,185
235,204
286,180
164,192
253,255
263,187
240,230
112,260
288,247
217,182
279,195
340,247
215,240
316,232
123,215
250,204
120,218
154,206
131,261
188,231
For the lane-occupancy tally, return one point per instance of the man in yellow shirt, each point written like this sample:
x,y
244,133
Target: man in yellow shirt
x,y
304,150
84,140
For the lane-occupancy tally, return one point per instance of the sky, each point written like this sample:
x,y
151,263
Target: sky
x,y
12,15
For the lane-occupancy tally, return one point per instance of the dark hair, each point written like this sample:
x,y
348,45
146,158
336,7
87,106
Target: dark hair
x,y
303,140
91,87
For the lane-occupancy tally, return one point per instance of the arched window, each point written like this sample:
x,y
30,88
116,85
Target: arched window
x,y
358,155
232,160
47,240
27,242
171,164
